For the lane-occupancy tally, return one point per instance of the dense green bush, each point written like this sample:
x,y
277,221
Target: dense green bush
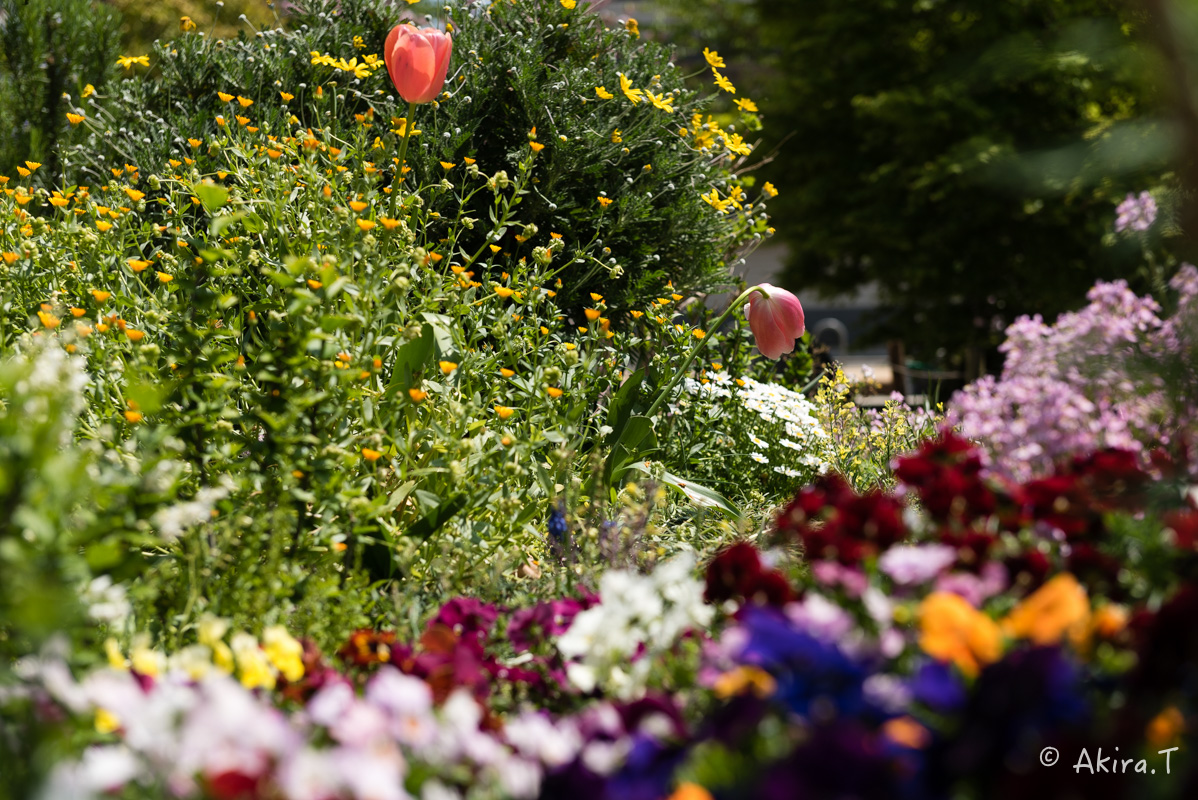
x,y
516,68
341,386
50,50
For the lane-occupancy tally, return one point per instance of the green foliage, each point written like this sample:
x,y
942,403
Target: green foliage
x,y
49,51
966,156
863,443
316,394
143,23
515,67
343,395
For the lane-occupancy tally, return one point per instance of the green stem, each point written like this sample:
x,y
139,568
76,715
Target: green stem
x,y
403,154
669,387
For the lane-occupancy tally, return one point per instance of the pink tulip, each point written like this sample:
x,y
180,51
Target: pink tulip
x,y
776,321
417,60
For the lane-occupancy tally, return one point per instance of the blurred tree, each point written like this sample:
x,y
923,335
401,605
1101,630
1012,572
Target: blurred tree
x,y
965,155
49,51
1175,33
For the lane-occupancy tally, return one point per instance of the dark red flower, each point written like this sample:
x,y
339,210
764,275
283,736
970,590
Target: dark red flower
x,y
1184,525
1027,570
234,785
1112,479
1166,643
1095,569
973,548
837,524
946,472
468,617
528,627
1059,501
738,574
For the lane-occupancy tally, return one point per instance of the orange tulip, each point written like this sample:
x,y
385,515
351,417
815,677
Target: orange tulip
x,y
417,60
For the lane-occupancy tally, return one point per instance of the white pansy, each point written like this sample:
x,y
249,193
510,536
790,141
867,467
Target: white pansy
x,y
635,611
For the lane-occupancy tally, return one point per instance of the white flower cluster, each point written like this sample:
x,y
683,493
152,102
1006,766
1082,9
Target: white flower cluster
x,y
106,601
172,521
776,406
48,383
614,644
188,734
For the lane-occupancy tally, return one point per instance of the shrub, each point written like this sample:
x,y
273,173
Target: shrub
x,y
335,383
517,67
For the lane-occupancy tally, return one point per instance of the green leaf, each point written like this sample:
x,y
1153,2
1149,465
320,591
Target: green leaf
x,y
211,195
103,555
219,224
434,520
253,223
636,441
442,332
620,407
697,493
336,322
398,496
409,359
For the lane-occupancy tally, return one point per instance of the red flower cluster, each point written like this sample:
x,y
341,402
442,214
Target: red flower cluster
x,y
738,574
836,524
1073,499
1184,525
947,474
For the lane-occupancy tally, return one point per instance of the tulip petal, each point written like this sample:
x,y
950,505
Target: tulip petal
x,y
776,321
412,68
389,45
443,50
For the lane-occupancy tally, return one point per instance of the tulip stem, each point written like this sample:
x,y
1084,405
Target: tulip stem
x,y
669,387
403,152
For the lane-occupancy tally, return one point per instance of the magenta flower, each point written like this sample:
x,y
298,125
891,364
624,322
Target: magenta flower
x,y
776,320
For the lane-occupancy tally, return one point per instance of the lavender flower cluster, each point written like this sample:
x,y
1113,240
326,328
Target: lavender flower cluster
x,y
1135,213
1084,382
